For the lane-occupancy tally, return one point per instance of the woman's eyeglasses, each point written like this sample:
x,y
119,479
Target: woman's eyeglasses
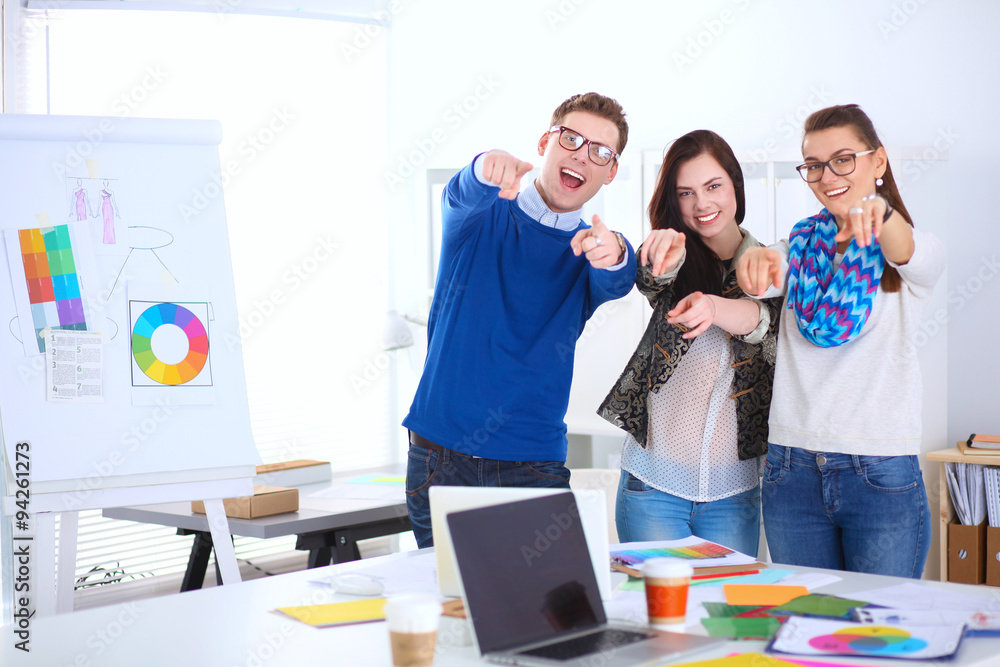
x,y
841,165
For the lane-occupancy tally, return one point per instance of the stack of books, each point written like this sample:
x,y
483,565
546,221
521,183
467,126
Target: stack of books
x,y
980,444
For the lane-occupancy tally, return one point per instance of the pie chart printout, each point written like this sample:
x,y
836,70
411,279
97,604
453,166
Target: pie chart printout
x,y
159,338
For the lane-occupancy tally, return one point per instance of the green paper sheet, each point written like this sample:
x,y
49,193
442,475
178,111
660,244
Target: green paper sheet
x,y
741,628
829,606
723,610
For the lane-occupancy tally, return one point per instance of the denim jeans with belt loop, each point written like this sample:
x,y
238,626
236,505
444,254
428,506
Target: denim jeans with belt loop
x,y
427,467
846,512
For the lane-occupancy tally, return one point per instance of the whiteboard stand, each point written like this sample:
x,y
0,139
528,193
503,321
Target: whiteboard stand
x,y
150,441
225,553
66,561
44,564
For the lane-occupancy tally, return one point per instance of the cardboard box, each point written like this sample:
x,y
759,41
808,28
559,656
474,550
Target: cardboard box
x,y
966,553
265,501
992,556
295,473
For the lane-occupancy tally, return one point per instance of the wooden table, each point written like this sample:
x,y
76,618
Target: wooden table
x,y
329,528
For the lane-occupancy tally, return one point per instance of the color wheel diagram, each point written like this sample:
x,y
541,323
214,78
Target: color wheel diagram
x,y
53,285
872,640
170,344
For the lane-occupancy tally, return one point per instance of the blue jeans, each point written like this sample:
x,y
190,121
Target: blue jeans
x,y
845,512
643,514
426,468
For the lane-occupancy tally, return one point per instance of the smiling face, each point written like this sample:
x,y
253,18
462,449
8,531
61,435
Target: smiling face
x,y
839,193
569,179
707,201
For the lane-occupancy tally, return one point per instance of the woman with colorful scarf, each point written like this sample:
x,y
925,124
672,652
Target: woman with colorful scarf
x,y
842,487
693,398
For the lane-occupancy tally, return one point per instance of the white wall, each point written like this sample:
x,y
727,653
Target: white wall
x,y
926,71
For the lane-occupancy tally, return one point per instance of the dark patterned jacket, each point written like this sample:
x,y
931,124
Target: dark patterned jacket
x,y
660,351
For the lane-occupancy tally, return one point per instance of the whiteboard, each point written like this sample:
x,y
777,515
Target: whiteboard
x,y
148,194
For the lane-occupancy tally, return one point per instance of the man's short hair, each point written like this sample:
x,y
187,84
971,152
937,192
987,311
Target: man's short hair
x,y
599,105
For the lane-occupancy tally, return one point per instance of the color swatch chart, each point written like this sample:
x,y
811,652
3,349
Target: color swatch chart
x,y
53,285
868,640
699,551
146,326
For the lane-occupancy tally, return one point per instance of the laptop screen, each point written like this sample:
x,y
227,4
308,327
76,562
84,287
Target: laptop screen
x,y
526,571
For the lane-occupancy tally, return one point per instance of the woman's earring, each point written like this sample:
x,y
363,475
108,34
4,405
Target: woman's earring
x,y
878,182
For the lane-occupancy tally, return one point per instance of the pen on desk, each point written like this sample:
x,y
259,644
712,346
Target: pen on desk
x,y
721,575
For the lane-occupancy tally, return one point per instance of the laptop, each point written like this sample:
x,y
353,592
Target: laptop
x,y
531,595
447,499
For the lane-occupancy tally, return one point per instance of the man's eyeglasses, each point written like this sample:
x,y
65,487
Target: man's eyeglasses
x,y
841,165
571,140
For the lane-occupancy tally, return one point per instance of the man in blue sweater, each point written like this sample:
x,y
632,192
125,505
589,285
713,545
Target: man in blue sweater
x,y
519,276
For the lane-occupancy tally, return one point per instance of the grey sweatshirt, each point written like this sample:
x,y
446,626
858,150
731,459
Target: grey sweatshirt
x,y
863,397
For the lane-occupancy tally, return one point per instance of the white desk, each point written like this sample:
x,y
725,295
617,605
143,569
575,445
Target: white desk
x,y
328,527
231,625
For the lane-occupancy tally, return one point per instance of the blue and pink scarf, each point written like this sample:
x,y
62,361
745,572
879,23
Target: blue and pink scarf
x,y
830,307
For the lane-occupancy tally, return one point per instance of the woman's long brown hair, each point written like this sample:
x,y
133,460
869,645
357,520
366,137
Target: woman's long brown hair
x,y
703,270
851,116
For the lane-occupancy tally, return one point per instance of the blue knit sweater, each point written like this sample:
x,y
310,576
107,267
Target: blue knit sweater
x,y
510,302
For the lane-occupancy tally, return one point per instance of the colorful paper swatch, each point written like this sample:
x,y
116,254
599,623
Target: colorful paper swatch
x,y
377,479
698,551
169,314
762,594
338,613
53,284
744,660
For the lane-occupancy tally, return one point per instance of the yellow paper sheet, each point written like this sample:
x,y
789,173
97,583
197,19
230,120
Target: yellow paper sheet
x,y
762,594
338,613
742,660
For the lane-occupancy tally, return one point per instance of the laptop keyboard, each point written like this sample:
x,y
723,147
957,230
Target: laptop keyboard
x,y
597,642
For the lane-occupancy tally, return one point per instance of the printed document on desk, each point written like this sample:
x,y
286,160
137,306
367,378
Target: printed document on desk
x,y
821,637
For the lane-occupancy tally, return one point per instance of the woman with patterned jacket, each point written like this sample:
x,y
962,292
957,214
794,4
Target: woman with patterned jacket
x,y
694,397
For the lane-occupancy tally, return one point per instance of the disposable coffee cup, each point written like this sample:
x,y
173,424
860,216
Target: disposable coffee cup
x,y
413,624
667,581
